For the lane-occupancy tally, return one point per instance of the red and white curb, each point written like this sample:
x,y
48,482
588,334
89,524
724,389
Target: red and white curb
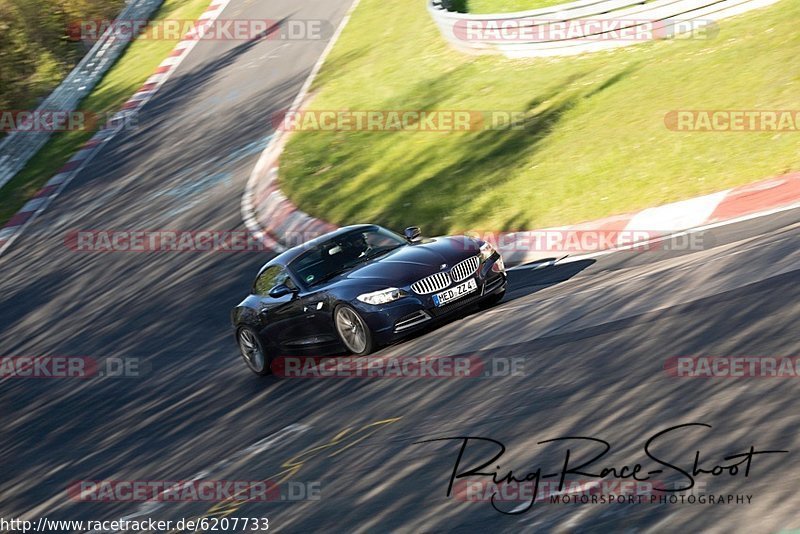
x,y
42,199
651,225
268,215
277,217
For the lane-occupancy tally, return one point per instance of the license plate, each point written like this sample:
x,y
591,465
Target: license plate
x,y
455,293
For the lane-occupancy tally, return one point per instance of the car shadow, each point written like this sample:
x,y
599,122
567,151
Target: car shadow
x,y
521,282
535,277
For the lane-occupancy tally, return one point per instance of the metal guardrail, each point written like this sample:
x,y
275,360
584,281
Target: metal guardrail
x,y
662,18
18,147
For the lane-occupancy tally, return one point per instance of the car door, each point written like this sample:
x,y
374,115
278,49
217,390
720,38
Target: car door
x,y
317,325
281,318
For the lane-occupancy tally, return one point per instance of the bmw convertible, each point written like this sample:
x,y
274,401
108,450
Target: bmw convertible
x,y
361,287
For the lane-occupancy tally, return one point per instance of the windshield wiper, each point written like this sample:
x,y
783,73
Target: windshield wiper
x,y
333,274
381,252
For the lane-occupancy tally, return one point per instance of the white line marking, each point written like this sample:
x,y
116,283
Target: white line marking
x,y
743,218
107,135
689,231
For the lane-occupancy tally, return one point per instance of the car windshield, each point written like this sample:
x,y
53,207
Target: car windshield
x,y
342,253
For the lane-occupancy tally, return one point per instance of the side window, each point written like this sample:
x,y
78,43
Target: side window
x,y
288,281
271,277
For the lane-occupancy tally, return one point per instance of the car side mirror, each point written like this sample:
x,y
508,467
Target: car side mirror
x,y
412,233
280,290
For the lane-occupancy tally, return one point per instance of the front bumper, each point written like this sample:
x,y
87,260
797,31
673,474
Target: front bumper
x,y
413,312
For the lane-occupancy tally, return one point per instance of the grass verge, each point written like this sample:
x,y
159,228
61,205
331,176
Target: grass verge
x,y
594,143
121,81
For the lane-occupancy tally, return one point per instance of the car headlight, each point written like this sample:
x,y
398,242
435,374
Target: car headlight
x,y
383,296
486,251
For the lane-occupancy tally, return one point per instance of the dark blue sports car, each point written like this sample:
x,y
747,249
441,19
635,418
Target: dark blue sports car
x,y
361,287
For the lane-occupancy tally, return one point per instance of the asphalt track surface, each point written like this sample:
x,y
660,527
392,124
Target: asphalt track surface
x,y
594,336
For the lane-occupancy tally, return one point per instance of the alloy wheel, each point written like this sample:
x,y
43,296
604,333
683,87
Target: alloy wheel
x,y
351,330
251,350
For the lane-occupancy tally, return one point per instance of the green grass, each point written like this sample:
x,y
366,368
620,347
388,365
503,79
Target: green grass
x,y
123,79
595,142
508,6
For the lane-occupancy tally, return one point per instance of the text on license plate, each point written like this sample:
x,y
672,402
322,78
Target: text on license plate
x,y
455,292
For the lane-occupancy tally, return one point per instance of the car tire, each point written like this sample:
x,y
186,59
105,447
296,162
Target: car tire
x,y
492,300
352,330
252,351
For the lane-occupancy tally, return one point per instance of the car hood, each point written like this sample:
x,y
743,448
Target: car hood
x,y
409,263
